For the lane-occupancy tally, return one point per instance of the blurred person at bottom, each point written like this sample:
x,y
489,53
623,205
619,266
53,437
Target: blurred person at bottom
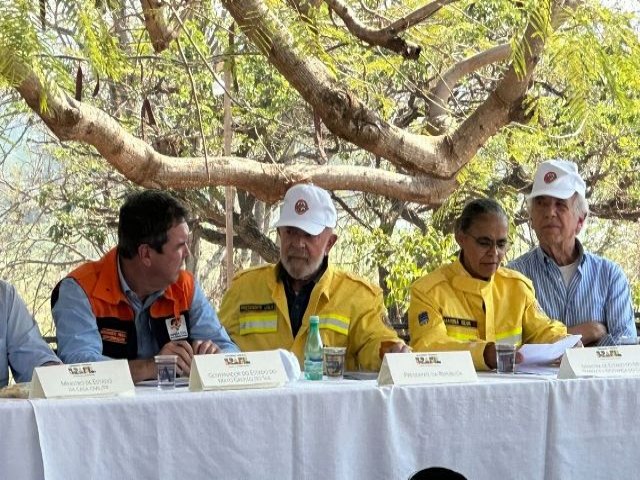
x,y
268,307
21,345
137,301
474,302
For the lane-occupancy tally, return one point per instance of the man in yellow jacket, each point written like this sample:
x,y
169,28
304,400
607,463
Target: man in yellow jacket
x,y
268,307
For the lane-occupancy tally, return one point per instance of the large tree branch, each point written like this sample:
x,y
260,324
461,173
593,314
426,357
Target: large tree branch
x,y
220,238
349,118
418,157
342,112
416,17
441,93
244,225
617,209
69,119
387,37
267,249
504,104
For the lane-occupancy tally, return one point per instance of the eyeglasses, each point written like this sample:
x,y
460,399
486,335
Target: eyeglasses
x,y
486,243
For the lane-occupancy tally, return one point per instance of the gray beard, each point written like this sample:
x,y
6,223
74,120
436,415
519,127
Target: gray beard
x,y
300,270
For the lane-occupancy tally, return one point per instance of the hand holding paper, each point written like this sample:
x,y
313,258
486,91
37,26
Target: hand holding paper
x,y
545,353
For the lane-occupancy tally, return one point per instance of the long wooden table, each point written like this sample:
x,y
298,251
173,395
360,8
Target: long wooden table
x,y
506,427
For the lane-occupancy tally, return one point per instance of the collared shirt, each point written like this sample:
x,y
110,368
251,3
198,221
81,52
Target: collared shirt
x,y
79,339
147,343
598,291
297,301
21,345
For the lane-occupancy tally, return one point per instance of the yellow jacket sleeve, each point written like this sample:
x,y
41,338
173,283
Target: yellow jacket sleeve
x,y
428,331
228,313
368,333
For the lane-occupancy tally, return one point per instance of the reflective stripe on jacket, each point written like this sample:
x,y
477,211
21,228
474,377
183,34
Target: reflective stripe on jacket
x,y
451,310
255,314
115,317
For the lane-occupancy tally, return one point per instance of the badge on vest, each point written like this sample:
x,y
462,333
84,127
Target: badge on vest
x,y
460,322
114,336
257,307
177,328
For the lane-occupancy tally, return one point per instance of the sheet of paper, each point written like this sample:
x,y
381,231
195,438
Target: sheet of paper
x,y
546,353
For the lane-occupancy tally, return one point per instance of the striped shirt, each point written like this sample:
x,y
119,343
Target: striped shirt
x,y
598,291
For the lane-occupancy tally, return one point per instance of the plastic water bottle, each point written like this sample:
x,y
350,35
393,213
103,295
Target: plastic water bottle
x,y
313,358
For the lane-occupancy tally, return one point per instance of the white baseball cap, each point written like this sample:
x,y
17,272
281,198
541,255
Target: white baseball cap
x,y
308,208
558,179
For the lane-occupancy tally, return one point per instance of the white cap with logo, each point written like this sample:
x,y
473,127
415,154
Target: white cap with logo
x,y
558,179
308,208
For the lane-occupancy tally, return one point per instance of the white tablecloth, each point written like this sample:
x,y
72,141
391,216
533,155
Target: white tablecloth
x,y
20,455
595,432
499,428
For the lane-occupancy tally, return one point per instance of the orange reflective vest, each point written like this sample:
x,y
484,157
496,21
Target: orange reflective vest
x,y
115,316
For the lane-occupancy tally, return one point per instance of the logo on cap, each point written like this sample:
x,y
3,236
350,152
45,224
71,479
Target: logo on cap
x,y
550,177
301,206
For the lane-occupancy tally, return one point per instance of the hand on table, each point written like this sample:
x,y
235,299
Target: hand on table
x,y
393,347
145,369
204,347
591,332
184,351
399,347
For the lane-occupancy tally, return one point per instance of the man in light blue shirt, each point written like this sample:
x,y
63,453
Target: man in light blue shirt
x,y
137,301
21,345
588,293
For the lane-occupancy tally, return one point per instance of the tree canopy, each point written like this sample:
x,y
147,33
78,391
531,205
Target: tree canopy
x,y
413,105
391,98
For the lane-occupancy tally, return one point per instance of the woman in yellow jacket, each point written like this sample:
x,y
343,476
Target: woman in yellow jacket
x,y
474,302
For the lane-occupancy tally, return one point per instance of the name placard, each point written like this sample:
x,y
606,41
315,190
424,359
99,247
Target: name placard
x,y
93,379
430,367
619,361
237,370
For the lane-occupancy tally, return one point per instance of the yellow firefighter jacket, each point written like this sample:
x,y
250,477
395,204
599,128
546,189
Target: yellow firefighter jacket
x,y
254,312
451,310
